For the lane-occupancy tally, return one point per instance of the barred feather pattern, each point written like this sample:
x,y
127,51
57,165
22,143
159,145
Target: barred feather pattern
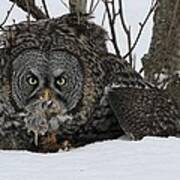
x,y
149,112
93,118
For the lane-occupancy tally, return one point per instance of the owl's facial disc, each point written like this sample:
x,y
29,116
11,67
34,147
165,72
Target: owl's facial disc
x,y
46,85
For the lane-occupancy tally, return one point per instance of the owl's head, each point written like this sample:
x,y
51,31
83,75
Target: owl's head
x,y
54,74
46,85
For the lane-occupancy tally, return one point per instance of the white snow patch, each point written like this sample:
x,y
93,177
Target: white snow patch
x,y
149,159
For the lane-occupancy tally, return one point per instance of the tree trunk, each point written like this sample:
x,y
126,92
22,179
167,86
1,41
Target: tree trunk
x,y
78,8
163,57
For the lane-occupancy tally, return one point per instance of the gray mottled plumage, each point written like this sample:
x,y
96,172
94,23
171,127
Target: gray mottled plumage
x,y
149,112
44,51
56,75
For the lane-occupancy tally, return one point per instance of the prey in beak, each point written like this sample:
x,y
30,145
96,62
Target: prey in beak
x,y
37,124
45,116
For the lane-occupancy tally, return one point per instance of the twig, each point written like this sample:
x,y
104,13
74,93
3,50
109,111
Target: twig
x,y
93,8
113,10
122,17
134,61
34,10
7,16
142,25
45,8
111,19
65,5
126,30
153,2
129,46
28,11
104,17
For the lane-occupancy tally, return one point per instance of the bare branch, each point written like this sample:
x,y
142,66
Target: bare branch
x,y
104,17
34,10
111,19
28,11
45,8
126,30
129,46
122,17
65,5
142,25
153,2
7,16
93,7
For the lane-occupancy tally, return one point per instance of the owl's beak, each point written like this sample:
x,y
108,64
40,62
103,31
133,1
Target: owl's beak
x,y
49,102
46,94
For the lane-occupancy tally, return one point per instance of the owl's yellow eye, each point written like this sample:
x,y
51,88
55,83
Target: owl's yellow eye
x,y
33,81
61,81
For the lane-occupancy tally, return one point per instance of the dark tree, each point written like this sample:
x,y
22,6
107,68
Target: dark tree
x,y
162,63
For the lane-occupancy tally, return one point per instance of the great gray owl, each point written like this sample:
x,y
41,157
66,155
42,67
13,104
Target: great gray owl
x,y
57,78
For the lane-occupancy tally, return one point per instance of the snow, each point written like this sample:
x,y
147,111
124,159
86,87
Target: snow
x,y
152,158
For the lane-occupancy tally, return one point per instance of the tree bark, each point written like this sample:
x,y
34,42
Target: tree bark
x,y
162,63
78,8
164,53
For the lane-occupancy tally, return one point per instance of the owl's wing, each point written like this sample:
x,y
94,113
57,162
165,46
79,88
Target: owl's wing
x,y
6,134
140,108
145,112
120,73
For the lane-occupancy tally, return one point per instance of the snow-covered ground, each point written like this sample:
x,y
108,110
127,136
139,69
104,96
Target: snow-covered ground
x,y
149,159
